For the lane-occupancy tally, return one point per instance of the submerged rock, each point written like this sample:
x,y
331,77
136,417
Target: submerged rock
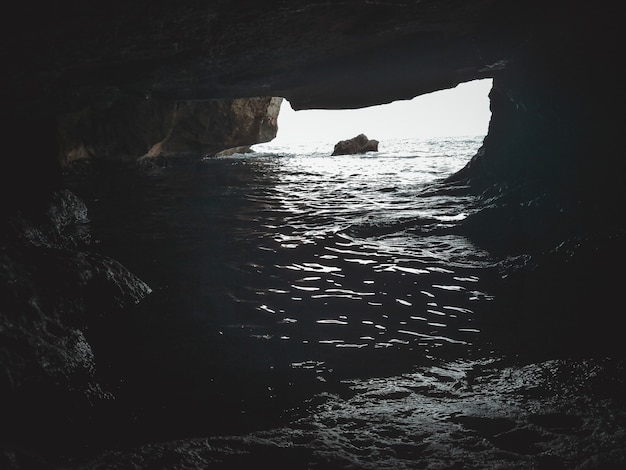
x,y
358,144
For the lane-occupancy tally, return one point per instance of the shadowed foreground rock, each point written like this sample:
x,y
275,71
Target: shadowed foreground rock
x,y
55,298
358,144
480,416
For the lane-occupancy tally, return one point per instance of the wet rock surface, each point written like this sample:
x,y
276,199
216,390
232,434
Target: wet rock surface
x,y
486,414
53,294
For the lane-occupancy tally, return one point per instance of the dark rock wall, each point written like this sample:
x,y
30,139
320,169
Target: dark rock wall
x,y
550,106
123,130
550,153
29,175
55,296
550,174
71,55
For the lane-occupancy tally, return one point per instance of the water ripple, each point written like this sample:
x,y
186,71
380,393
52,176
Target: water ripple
x,y
303,252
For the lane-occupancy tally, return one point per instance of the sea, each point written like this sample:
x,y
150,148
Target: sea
x,y
323,301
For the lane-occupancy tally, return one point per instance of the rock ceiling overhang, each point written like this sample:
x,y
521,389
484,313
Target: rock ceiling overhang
x,y
317,54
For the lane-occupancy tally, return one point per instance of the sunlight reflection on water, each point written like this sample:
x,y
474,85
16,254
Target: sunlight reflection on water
x,y
365,259
307,258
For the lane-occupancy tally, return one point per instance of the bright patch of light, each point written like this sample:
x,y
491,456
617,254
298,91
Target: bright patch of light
x,y
460,111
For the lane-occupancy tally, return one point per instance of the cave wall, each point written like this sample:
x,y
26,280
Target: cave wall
x,y
552,102
134,127
56,296
70,55
549,161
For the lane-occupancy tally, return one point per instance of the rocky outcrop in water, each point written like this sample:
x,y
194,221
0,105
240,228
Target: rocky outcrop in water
x,y
358,144
130,128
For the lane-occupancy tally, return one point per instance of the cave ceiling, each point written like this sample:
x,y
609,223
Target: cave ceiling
x,y
317,54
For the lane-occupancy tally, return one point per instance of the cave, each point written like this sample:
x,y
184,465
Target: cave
x,y
120,90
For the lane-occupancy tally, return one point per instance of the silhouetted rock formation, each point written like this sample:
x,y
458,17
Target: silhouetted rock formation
x,y
358,144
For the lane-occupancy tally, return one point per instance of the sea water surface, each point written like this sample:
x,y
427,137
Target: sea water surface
x,y
279,272
322,309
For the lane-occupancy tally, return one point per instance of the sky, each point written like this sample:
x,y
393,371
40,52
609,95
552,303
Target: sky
x,y
459,111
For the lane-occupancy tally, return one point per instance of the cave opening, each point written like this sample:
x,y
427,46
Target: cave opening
x,y
278,278
462,111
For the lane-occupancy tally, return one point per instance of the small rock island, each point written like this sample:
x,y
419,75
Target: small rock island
x,y
358,144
